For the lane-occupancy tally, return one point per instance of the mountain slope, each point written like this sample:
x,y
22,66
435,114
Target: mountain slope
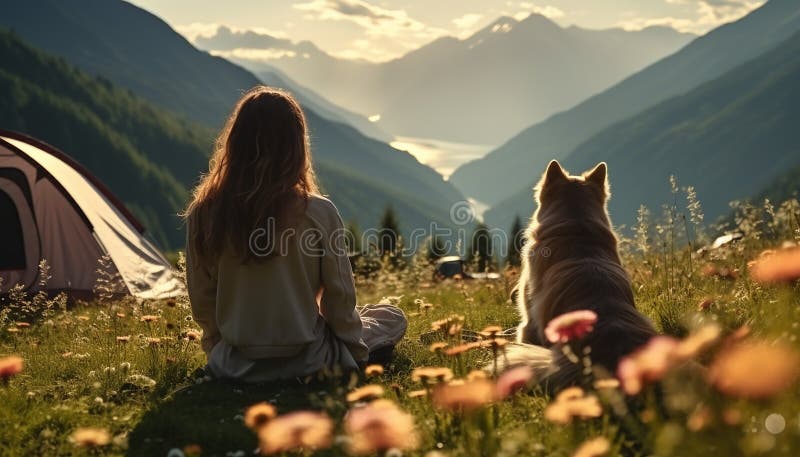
x,y
729,138
516,164
113,133
138,51
482,89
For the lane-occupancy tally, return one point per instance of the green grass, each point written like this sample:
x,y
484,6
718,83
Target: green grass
x,y
152,401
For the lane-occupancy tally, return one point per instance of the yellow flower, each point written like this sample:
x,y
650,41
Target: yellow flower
x,y
380,426
365,393
572,403
754,369
373,370
301,430
258,415
593,448
464,396
91,437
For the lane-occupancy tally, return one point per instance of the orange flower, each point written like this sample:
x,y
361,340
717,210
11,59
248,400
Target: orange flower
x,y
373,370
465,396
572,403
494,343
477,374
570,326
380,426
699,419
513,380
192,335
437,347
606,384
593,448
153,341
461,348
648,364
491,331
780,266
123,339
697,342
258,415
149,318
91,437
23,324
705,304
755,369
305,430
10,366
417,393
365,393
428,375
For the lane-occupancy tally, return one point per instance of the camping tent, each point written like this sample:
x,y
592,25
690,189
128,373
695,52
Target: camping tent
x,y
53,209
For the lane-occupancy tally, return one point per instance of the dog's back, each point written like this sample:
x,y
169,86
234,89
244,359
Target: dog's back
x,y
570,263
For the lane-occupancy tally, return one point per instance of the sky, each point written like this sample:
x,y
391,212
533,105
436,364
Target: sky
x,y
380,30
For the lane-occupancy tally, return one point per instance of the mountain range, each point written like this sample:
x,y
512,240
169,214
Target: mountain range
x,y
499,80
133,49
513,168
729,138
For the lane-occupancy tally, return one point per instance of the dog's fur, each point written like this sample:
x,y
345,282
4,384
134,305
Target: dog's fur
x,y
570,262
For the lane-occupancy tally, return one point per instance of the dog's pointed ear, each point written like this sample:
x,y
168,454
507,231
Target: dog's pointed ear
x,y
554,173
598,174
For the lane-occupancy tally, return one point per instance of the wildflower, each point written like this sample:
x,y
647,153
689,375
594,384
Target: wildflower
x,y
606,384
491,331
570,326
477,374
192,335
83,318
192,450
373,370
23,324
417,393
149,318
780,266
10,366
295,431
89,437
593,448
365,393
464,397
67,354
123,339
427,375
437,347
455,329
705,304
571,403
648,364
513,380
256,416
152,341
121,315
698,341
755,370
380,426
461,348
699,419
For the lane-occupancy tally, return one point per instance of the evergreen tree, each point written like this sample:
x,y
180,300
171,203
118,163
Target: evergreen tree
x,y
481,247
436,248
517,239
353,238
388,233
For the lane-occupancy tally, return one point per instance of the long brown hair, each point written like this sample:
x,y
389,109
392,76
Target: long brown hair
x,y
260,171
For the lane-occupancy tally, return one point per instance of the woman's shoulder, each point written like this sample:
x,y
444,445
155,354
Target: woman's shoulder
x,y
322,210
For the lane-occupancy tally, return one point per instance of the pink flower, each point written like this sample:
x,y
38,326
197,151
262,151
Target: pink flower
x,y
570,326
648,364
513,380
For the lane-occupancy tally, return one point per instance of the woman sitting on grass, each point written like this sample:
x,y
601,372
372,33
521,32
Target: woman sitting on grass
x,y
269,277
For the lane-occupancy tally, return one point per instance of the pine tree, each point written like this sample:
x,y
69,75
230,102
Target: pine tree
x,y
387,235
353,237
481,247
436,248
517,239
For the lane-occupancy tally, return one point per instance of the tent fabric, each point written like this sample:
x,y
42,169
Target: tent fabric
x,y
72,220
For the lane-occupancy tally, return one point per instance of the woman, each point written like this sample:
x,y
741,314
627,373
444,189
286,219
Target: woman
x,y
269,279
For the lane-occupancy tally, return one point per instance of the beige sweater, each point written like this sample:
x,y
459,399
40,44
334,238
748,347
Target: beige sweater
x,y
272,308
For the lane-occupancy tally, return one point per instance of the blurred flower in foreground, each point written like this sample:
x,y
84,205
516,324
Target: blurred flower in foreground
x,y
648,364
513,380
570,326
571,403
380,426
777,266
365,393
258,415
593,448
432,375
10,366
90,437
306,430
697,342
464,396
373,370
754,369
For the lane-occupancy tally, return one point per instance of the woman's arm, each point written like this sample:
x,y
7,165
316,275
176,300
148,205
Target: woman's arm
x,y
203,297
338,302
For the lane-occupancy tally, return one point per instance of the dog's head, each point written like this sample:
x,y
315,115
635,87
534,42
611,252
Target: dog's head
x,y
584,195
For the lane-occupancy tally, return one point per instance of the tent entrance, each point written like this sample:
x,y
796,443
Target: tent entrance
x,y
19,237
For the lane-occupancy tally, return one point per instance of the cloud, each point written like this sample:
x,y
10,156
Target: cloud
x,y
198,30
708,14
375,20
258,55
226,38
467,21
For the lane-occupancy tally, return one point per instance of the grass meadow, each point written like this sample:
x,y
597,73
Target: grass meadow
x,y
122,377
